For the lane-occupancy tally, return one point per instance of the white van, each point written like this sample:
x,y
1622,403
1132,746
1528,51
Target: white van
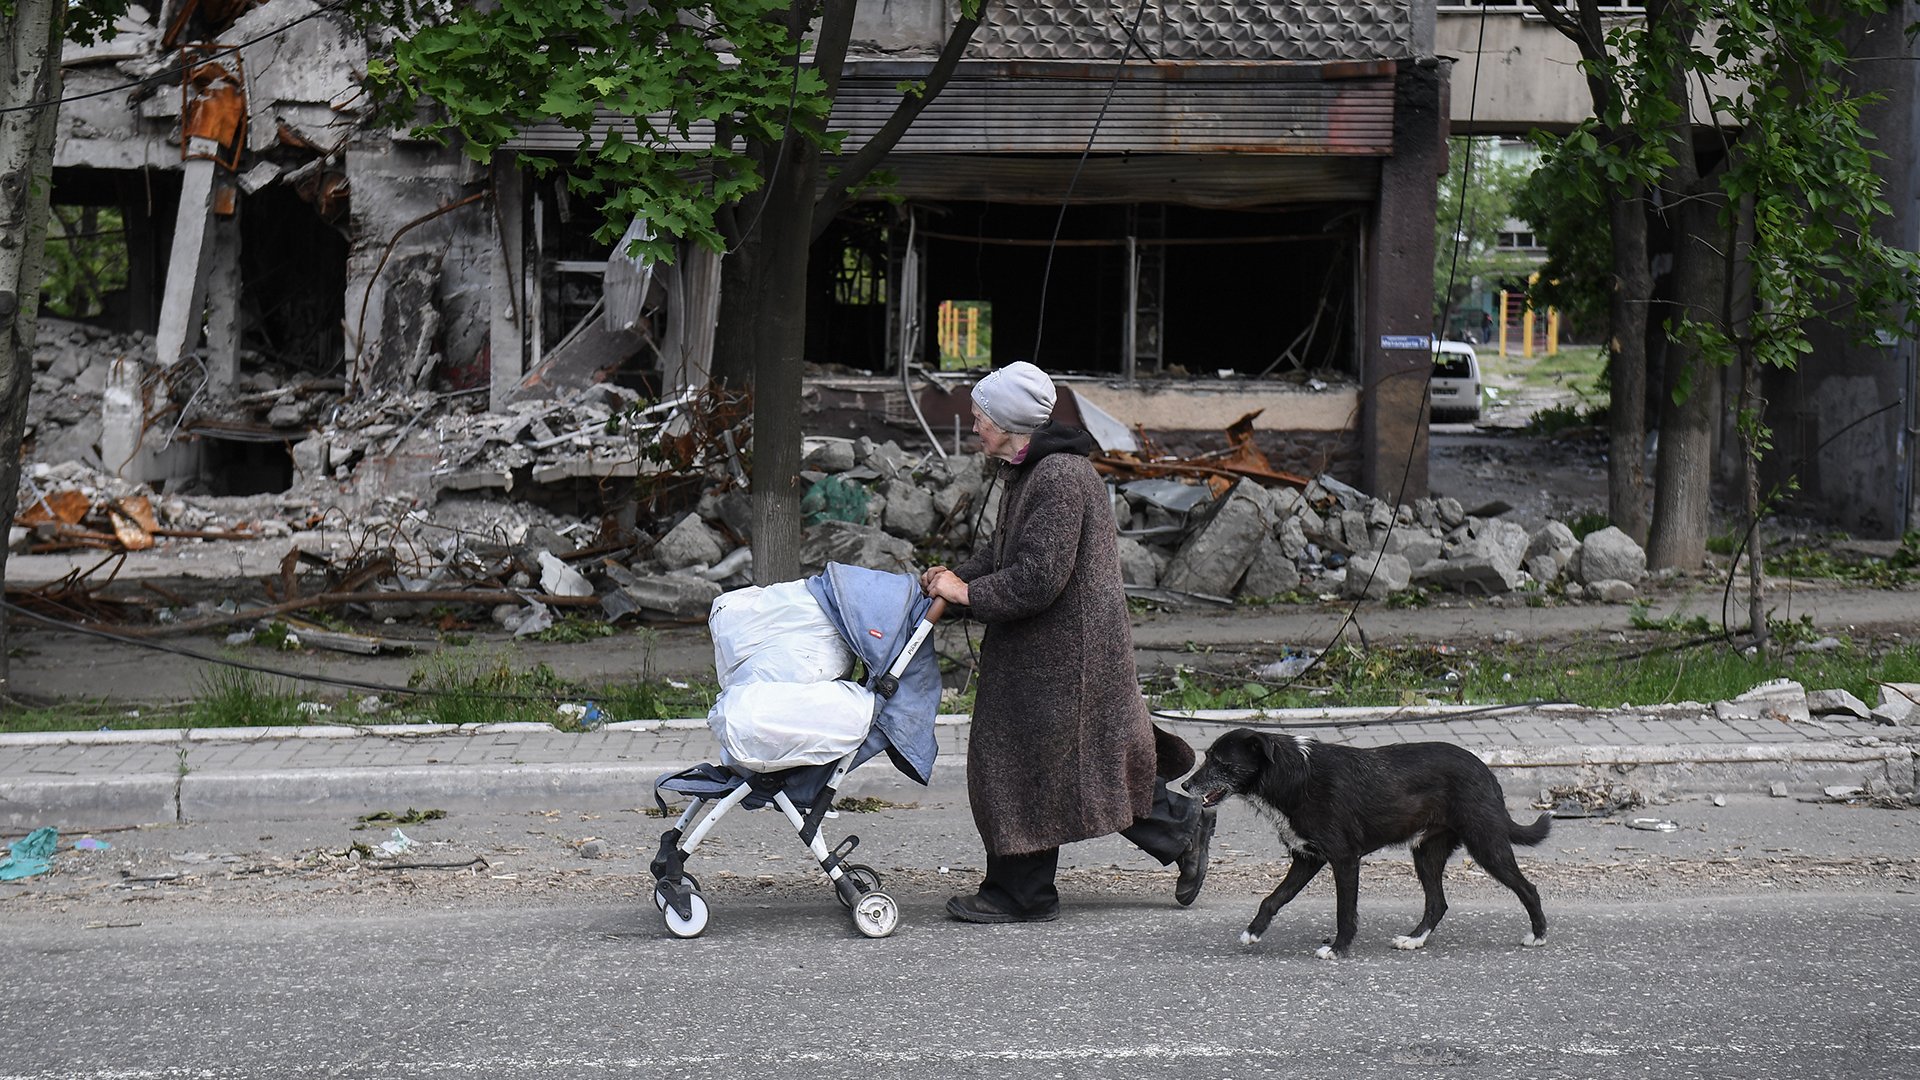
x,y
1455,382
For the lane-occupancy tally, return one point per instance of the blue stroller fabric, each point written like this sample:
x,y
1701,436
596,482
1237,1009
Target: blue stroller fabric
x,y
876,613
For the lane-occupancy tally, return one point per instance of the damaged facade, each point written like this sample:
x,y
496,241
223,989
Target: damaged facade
x,y
1250,230
326,330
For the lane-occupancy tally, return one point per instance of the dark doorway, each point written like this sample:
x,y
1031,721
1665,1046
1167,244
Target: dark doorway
x,y
245,467
293,270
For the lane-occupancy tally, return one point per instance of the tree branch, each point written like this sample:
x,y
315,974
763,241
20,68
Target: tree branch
x,y
869,156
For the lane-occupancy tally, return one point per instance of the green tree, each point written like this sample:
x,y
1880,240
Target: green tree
x,y
1775,232
725,105
1467,256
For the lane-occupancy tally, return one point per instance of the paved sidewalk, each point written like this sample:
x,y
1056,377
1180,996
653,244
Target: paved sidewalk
x,y
100,779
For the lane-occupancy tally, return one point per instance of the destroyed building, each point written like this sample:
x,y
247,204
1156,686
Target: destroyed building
x,y
1250,229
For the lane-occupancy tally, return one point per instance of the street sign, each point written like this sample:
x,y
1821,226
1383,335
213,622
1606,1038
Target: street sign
x,y
1405,341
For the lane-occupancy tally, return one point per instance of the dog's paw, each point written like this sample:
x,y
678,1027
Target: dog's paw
x,y
1533,941
1325,952
1248,937
1410,943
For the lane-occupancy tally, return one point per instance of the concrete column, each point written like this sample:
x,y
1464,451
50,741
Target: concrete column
x,y
181,303
1395,354
223,302
506,344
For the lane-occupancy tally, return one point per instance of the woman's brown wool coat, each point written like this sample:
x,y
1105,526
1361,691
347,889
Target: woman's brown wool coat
x,y
1061,747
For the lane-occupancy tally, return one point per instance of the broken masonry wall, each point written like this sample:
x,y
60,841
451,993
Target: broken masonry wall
x,y
414,267
301,81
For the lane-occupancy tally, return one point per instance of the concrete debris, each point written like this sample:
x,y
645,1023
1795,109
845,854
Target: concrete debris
x,y
1780,700
1831,702
1899,704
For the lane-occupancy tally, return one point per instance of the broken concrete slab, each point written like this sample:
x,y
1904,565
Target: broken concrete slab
x,y
1216,556
856,545
1831,702
680,595
1779,699
1473,574
1137,566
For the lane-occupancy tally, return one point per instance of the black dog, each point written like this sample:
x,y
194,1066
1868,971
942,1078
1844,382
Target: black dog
x,y
1334,804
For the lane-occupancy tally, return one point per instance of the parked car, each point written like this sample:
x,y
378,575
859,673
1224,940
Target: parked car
x,y
1456,382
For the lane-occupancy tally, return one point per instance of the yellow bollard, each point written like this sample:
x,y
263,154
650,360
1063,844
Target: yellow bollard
x,y
1503,322
1526,332
1553,331
973,330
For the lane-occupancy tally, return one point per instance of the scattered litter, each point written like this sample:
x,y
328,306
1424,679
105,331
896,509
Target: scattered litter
x,y
312,708
399,845
31,854
1719,800
587,716
1647,824
88,843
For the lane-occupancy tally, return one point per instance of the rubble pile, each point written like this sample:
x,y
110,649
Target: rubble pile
x,y
1329,537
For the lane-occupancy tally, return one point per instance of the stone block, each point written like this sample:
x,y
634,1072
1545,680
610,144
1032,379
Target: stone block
x,y
679,595
1375,576
1780,699
1272,571
1611,553
1611,591
910,512
1216,556
1553,539
1137,566
690,543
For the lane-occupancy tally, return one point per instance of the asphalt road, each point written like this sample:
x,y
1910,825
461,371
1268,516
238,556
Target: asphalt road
x,y
1765,938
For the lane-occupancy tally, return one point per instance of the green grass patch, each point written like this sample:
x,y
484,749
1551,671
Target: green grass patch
x,y
1348,676
234,697
92,716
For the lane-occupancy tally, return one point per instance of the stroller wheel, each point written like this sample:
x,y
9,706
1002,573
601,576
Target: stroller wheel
x,y
693,925
659,898
865,880
876,915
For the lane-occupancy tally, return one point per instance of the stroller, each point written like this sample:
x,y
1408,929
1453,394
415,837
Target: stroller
x,y
884,619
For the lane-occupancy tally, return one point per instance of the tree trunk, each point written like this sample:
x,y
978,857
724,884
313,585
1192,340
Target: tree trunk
x,y
1690,408
1632,295
780,333
29,73
1749,415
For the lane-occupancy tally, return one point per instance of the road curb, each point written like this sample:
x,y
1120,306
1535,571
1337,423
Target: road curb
x,y
214,795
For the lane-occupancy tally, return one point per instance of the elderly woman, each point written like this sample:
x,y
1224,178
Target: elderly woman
x,y
1061,747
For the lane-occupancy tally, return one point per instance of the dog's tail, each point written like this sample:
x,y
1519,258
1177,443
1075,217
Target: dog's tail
x,y
1529,835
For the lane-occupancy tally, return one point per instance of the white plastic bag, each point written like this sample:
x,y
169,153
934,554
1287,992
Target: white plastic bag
x,y
764,726
777,633
627,278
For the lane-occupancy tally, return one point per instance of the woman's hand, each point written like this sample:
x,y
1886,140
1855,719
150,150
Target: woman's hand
x,y
944,584
927,576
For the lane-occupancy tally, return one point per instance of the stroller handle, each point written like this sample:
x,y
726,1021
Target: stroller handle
x,y
886,684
